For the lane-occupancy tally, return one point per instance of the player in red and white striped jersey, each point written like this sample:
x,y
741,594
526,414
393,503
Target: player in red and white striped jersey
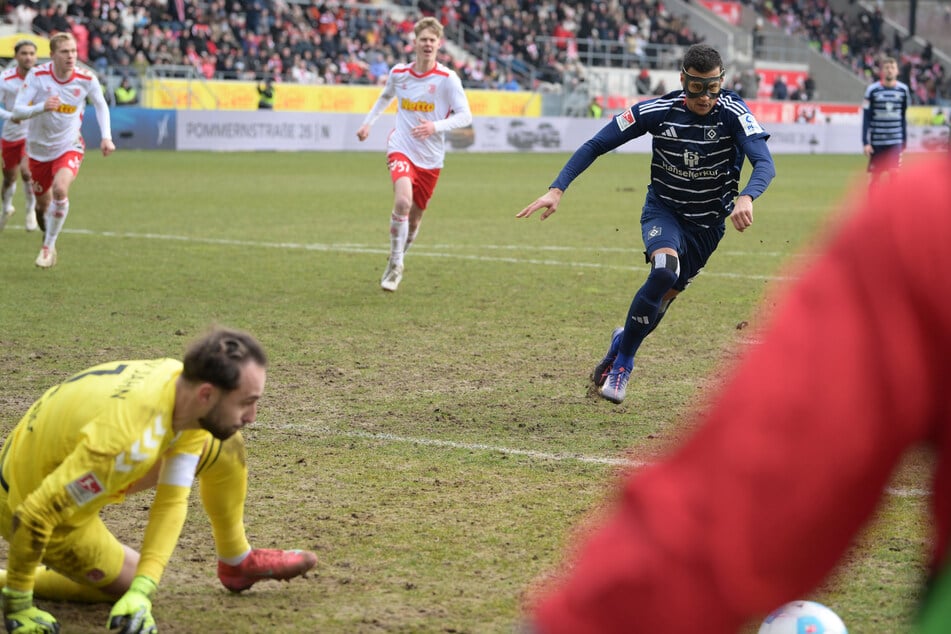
x,y
55,95
430,102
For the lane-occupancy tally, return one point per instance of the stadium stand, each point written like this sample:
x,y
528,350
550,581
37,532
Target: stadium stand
x,y
858,36
504,44
352,42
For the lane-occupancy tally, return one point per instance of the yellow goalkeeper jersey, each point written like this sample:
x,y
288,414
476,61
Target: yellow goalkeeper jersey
x,y
83,444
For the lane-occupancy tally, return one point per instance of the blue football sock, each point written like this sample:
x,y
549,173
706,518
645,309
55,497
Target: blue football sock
x,y
645,311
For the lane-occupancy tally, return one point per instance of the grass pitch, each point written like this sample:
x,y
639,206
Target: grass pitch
x,y
438,447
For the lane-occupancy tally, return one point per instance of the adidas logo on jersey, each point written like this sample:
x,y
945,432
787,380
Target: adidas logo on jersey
x,y
670,133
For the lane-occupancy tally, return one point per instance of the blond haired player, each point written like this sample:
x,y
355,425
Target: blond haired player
x,y
54,94
116,429
430,101
13,138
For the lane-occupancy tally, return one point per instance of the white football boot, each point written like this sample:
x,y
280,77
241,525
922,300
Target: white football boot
x,y
47,258
391,277
30,220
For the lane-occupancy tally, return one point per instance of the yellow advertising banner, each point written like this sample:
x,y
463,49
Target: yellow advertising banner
x,y
922,115
190,94
7,42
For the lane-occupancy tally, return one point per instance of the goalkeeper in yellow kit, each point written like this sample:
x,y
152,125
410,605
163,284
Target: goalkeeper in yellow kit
x,y
119,428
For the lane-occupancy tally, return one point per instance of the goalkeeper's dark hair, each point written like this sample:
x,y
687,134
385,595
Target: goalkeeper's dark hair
x,y
703,58
219,357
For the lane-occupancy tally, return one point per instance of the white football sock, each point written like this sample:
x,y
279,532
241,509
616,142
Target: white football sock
x,y
8,195
399,228
411,238
55,219
30,196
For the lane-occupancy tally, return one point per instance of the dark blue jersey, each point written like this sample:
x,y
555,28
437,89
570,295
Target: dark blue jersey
x,y
696,163
883,115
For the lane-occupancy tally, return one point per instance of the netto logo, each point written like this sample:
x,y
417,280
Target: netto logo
x,y
417,106
65,108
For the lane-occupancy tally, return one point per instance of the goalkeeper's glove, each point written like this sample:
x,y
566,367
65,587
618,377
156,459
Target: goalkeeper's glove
x,y
20,616
132,614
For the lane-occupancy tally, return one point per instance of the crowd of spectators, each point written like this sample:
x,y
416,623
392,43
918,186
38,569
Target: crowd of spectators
x,y
329,42
509,44
230,39
542,39
859,41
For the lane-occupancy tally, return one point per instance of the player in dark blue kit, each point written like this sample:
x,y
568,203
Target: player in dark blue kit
x,y
702,134
884,129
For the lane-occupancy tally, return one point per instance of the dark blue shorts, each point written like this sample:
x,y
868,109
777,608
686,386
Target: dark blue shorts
x,y
885,158
694,245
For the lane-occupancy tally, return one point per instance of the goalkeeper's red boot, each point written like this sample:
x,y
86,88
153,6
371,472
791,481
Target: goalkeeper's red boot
x,y
265,563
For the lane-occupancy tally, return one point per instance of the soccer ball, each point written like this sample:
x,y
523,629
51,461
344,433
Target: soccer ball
x,y
803,617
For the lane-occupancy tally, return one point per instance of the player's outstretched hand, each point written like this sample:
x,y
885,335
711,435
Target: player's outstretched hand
x,y
548,202
132,614
107,147
20,616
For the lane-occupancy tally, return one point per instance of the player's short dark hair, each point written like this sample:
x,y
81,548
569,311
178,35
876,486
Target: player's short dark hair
x,y
702,58
21,43
219,356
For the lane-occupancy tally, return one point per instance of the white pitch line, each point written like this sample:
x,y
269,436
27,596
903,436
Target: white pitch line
x,y
638,248
468,446
528,453
908,493
417,252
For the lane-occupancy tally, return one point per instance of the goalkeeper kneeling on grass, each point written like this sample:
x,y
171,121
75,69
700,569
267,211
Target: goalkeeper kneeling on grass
x,y
113,430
